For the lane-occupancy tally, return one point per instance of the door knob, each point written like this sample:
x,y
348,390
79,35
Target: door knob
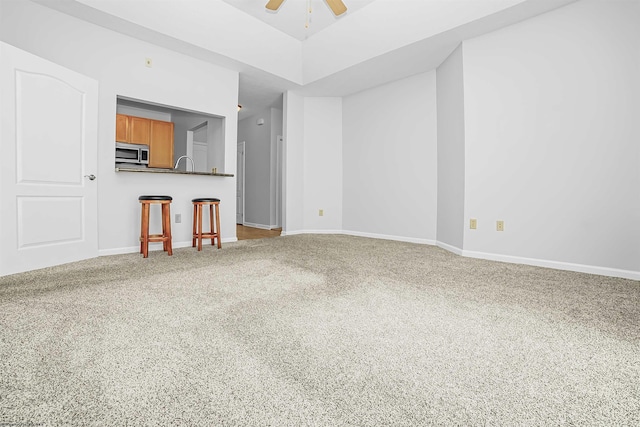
x,y
91,177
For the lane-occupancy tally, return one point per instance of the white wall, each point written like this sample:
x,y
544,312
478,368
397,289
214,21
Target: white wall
x,y
390,160
276,131
293,220
451,152
552,141
323,164
313,164
232,36
118,63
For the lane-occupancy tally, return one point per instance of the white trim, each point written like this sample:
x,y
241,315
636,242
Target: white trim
x,y
260,226
558,265
291,233
297,232
362,234
154,247
322,232
390,237
449,248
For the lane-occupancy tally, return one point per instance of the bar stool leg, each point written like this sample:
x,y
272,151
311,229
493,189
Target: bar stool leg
x,y
195,217
141,228
211,223
166,229
199,226
217,226
144,242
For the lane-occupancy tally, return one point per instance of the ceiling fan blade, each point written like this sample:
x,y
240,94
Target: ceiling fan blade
x,y
274,4
337,6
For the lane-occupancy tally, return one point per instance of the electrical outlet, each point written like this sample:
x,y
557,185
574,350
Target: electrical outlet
x,y
473,223
499,225
148,62
321,212
178,218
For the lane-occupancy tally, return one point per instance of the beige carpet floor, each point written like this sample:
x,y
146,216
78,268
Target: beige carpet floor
x,y
317,331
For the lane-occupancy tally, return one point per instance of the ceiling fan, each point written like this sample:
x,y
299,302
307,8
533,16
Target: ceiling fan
x,y
337,6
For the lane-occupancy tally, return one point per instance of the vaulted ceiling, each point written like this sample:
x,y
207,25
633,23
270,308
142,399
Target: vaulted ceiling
x,y
298,18
375,42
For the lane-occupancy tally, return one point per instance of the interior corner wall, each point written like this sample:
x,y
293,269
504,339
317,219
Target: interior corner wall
x,y
323,164
551,109
293,173
257,176
390,160
450,95
276,130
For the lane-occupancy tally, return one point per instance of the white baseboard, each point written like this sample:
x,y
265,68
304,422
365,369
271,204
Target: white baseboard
x,y
361,234
260,226
389,237
153,247
449,247
558,265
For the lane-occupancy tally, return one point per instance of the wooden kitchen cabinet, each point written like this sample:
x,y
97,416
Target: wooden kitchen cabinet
x,y
139,130
134,130
161,145
157,134
122,128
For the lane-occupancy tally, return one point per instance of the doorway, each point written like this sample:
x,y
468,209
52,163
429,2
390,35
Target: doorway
x,y
240,183
247,233
242,231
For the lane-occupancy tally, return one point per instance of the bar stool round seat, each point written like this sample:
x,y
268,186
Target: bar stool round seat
x,y
146,202
214,232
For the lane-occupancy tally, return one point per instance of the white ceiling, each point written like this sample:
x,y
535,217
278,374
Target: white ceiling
x,y
293,15
375,42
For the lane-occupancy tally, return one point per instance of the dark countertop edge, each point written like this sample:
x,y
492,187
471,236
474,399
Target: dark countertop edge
x,y
177,172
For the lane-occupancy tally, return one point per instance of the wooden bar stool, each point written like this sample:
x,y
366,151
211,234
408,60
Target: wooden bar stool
x,y
165,237
214,232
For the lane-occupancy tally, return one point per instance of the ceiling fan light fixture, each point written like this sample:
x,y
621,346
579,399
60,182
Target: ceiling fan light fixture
x,y
337,6
274,5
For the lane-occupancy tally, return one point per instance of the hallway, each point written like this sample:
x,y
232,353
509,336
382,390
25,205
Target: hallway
x,y
247,233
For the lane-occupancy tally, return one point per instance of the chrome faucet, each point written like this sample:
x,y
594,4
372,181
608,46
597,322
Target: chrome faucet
x,y
193,167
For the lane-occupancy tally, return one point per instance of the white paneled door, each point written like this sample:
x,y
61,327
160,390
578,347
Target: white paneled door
x,y
48,186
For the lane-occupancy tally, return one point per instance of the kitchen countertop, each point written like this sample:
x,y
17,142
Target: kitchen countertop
x,y
173,171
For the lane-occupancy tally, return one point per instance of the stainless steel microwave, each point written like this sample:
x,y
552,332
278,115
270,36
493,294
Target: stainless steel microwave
x,y
136,154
